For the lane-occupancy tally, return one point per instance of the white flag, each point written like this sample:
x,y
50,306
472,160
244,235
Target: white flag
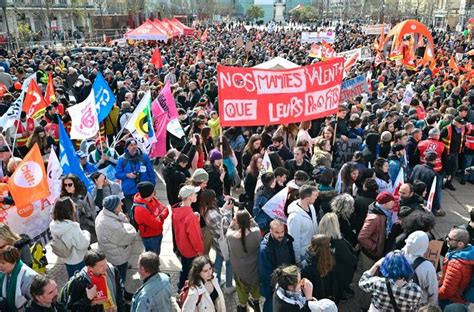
x,y
84,118
275,207
429,202
13,112
138,124
174,127
54,172
266,162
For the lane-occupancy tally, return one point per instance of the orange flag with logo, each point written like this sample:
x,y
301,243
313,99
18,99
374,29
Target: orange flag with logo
x,y
29,181
34,104
50,95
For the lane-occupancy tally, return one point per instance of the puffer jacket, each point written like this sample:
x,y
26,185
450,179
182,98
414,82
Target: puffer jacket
x,y
458,266
140,163
115,236
75,239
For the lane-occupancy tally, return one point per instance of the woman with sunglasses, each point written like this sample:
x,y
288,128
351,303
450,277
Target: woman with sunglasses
x,y
66,228
74,188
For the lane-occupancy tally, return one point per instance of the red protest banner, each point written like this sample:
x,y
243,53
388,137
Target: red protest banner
x,y
252,96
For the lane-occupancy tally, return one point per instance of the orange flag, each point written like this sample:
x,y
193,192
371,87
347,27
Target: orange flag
x,y
156,59
382,38
29,181
50,95
452,64
204,35
468,67
34,104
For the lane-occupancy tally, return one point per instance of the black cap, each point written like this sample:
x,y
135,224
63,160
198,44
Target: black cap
x,y
460,120
431,156
397,147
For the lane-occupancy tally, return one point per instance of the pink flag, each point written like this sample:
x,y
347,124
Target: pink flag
x,y
429,202
166,101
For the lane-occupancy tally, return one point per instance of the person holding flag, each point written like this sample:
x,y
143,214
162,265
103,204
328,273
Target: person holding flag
x,y
23,127
133,167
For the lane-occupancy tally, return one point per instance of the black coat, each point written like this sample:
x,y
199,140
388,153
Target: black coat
x,y
407,206
323,287
281,306
424,173
413,156
361,208
346,262
175,176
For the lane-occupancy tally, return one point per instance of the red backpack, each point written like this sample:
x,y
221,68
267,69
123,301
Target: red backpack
x,y
183,294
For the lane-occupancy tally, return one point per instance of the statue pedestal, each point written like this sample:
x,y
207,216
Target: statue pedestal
x,y
279,12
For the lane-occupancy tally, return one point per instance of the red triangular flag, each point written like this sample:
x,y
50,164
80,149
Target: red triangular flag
x,y
34,104
50,95
453,65
204,35
156,59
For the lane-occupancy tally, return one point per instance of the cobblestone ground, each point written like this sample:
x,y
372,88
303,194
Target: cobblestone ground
x,y
456,204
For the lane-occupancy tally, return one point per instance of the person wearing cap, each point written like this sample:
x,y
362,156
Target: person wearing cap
x,y
86,166
187,231
434,145
425,275
396,161
133,167
103,155
216,171
115,234
149,214
453,137
373,237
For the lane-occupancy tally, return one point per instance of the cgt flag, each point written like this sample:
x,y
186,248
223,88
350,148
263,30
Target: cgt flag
x,y
29,183
34,104
104,97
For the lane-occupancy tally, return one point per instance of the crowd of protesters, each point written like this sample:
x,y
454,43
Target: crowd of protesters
x,y
346,236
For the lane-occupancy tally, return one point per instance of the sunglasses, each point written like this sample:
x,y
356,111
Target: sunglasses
x,y
68,184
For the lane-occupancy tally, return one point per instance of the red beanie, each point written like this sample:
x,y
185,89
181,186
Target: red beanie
x,y
384,197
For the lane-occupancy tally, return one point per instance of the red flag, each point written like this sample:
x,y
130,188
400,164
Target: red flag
x,y
34,104
204,35
328,51
382,38
50,95
453,65
29,182
156,59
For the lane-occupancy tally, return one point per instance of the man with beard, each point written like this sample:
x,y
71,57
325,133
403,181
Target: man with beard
x,y
45,294
409,201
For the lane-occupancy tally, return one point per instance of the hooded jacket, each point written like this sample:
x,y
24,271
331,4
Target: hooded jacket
x,y
150,219
141,164
458,268
263,195
361,208
76,240
372,235
301,227
187,232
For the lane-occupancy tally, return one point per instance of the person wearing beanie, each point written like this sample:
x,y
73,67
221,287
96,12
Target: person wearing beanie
x,y
216,171
187,231
426,173
133,167
115,234
396,161
149,215
425,275
103,155
373,237
385,146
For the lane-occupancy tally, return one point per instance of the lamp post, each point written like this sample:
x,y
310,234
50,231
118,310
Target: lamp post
x,y
3,4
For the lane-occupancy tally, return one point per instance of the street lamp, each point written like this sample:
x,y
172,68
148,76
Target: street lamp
x,y
3,4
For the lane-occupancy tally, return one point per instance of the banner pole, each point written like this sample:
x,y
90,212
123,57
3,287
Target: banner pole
x,y
14,137
6,143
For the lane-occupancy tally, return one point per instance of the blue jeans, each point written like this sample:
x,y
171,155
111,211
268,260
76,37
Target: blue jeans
x,y
123,271
468,162
153,244
72,268
228,270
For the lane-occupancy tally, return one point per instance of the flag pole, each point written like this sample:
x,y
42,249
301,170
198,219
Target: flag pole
x,y
14,137
6,143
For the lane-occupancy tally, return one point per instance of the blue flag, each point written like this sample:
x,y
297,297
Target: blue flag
x,y
104,97
68,159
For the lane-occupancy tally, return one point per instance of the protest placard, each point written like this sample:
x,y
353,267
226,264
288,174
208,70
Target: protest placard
x,y
252,96
433,252
353,87
239,42
343,151
376,29
249,46
318,37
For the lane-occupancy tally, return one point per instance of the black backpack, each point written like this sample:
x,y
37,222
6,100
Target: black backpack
x,y
416,264
133,221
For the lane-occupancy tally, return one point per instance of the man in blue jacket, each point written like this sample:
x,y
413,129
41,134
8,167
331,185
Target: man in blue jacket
x,y
276,249
133,167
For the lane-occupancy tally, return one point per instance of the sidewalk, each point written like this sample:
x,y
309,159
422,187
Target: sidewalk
x,y
456,204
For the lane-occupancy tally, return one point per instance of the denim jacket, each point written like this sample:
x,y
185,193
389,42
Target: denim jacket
x,y
154,295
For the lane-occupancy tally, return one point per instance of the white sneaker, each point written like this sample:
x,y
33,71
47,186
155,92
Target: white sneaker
x,y
229,290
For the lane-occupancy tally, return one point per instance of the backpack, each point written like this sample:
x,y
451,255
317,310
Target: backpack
x,y
133,221
59,247
416,263
38,255
183,295
65,293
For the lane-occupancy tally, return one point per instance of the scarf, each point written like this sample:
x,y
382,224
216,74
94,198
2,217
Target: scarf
x,y
291,297
11,285
389,221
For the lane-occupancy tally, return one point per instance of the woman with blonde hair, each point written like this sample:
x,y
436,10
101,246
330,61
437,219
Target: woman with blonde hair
x,y
344,254
318,266
20,241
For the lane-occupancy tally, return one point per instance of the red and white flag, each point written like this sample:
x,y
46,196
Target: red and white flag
x,y
429,202
84,118
275,207
34,104
399,181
